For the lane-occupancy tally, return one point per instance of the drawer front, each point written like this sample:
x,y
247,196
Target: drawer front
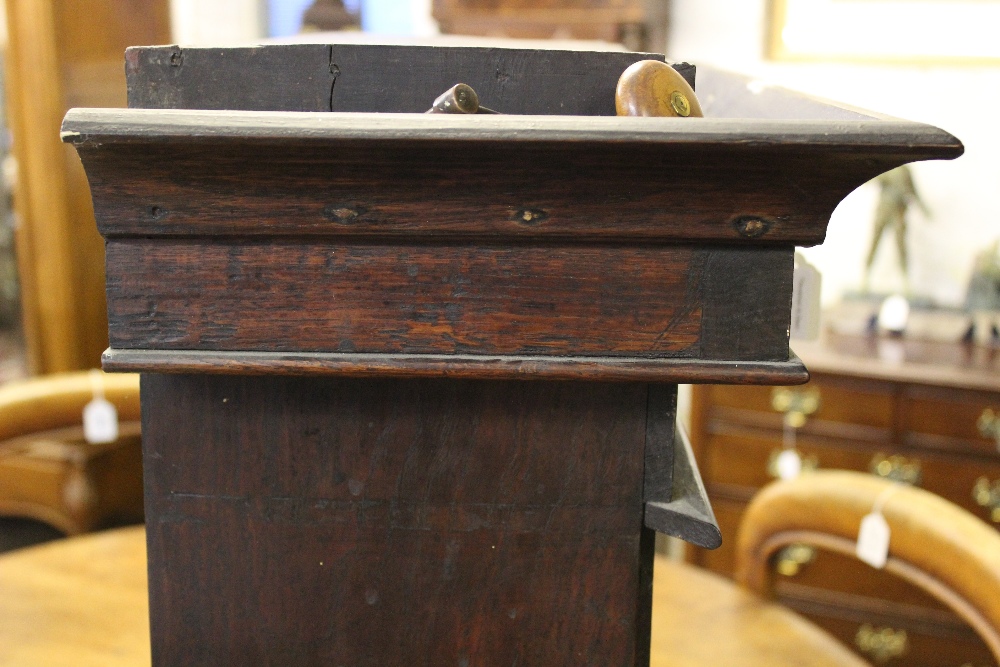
x,y
738,464
881,642
952,419
842,401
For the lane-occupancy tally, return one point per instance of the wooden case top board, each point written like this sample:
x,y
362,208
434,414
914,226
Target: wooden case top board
x,y
254,235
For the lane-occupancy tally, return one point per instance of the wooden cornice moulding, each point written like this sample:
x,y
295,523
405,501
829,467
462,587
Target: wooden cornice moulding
x,y
310,240
581,178
791,372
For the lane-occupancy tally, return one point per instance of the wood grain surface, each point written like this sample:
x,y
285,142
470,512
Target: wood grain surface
x,y
467,366
376,77
484,523
437,175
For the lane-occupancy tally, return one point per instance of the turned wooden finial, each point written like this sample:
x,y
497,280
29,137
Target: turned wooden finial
x,y
654,88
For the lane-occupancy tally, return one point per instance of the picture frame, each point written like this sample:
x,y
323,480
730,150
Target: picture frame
x,y
952,32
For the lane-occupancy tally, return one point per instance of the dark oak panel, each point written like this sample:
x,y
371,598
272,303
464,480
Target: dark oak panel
x,y
466,366
484,300
415,299
382,78
376,175
317,509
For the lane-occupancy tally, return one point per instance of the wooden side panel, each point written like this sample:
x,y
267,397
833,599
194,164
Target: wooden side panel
x,y
375,188
380,78
381,522
747,301
403,299
444,299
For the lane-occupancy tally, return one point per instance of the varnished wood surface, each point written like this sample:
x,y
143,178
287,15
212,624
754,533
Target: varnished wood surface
x,y
702,619
956,365
563,177
404,299
487,522
611,369
556,301
80,601
83,601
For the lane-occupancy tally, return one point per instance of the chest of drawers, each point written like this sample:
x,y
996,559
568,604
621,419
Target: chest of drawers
x,y
920,413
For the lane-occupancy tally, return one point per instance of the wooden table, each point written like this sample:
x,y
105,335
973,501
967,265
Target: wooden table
x,y
78,601
416,374
82,601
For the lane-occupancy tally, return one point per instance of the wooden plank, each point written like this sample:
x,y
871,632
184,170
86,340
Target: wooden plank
x,y
367,175
549,301
611,369
406,299
661,408
376,78
484,523
747,301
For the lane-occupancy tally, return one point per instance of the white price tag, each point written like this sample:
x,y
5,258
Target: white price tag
x,y
100,417
873,540
100,422
806,286
788,464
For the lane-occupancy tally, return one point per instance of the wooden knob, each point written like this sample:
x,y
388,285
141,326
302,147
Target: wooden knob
x,y
654,88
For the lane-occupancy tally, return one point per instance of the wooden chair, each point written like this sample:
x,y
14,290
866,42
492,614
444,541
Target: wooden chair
x,y
934,545
48,472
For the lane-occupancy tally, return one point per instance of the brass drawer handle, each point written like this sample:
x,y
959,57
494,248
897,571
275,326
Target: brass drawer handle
x,y
881,644
896,468
989,425
792,559
988,495
795,404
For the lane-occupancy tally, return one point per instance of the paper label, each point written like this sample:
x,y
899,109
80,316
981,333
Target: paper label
x,y
806,286
788,464
100,422
873,540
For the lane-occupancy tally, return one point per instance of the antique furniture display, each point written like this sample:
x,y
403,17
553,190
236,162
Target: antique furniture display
x,y
417,372
49,472
917,412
